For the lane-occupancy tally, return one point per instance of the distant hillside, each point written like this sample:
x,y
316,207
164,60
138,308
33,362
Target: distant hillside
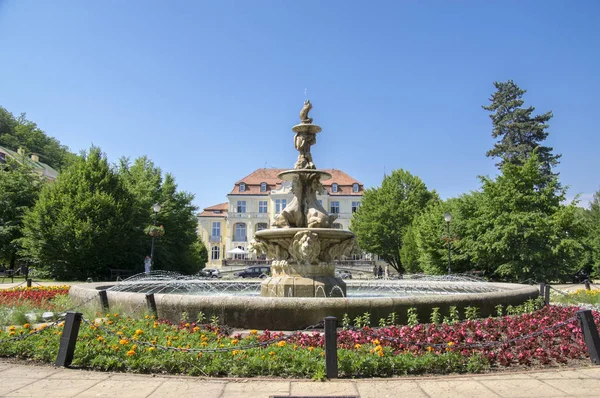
x,y
18,132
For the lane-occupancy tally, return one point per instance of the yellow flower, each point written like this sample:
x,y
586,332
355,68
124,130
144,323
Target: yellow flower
x,y
199,355
204,344
119,333
151,348
11,333
115,315
253,331
187,325
169,343
26,326
357,346
311,348
196,328
450,344
100,338
378,348
124,341
376,342
234,352
430,348
234,341
130,353
11,328
271,353
110,322
380,353
139,332
281,343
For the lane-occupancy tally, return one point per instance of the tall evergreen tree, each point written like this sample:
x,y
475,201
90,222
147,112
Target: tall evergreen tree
x,y
519,131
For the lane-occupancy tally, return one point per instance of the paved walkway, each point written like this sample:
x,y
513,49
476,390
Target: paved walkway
x,y
47,381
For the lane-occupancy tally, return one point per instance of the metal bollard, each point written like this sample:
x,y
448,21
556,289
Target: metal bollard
x,y
104,300
587,284
547,295
151,304
68,339
331,361
590,334
28,282
542,289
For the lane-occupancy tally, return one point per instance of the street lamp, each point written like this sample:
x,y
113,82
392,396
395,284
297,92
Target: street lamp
x,y
156,209
448,218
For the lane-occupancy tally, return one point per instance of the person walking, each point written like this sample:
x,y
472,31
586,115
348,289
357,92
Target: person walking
x,y
380,272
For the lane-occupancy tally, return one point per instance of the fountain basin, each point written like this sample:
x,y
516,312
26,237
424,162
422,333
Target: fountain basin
x,y
294,313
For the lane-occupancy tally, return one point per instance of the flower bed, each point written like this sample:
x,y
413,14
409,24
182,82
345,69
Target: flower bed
x,y
34,296
150,345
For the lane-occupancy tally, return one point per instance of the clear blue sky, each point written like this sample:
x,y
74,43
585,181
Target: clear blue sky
x,y
210,90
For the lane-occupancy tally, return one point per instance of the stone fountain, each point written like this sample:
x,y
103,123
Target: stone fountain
x,y
302,241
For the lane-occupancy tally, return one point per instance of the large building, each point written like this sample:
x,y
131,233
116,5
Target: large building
x,y
227,228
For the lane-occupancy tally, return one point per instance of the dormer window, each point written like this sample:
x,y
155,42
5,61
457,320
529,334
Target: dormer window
x,y
355,187
263,187
334,187
242,187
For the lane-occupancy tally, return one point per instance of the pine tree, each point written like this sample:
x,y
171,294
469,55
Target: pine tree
x,y
520,131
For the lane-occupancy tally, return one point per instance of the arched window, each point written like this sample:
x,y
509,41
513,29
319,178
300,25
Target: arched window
x,y
261,225
215,253
240,232
242,187
355,187
263,187
334,187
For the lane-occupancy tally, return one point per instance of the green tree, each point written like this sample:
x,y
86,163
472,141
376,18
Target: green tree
x,y
519,131
520,230
594,233
432,238
409,253
179,249
386,213
18,132
19,189
82,223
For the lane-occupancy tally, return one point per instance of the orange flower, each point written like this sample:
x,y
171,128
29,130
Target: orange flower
x,y
124,341
130,353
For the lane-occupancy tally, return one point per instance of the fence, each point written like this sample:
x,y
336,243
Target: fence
x,y
73,319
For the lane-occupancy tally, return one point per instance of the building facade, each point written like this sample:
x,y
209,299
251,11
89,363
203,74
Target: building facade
x,y
33,161
227,228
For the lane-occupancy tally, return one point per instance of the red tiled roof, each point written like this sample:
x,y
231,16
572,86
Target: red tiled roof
x,y
210,211
269,176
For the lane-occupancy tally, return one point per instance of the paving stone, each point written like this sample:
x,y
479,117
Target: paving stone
x,y
590,372
73,374
121,388
323,388
391,389
189,388
455,388
509,387
13,384
562,374
52,388
256,389
580,388
502,376
28,372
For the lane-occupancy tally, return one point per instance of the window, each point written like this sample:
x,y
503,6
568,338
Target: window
x,y
215,253
280,205
240,232
263,187
262,206
355,187
320,202
241,206
335,207
355,206
261,225
216,229
242,187
334,187
337,225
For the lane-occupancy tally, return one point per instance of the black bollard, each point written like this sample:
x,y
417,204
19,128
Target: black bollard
x,y
68,339
542,289
28,282
587,284
104,300
151,304
331,361
590,334
547,295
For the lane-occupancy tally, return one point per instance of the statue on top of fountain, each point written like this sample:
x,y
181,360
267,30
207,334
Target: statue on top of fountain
x,y
304,139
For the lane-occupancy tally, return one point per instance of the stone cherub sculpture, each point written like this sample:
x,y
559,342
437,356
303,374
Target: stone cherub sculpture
x,y
303,142
304,113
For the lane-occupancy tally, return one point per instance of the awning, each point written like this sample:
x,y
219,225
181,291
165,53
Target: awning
x,y
237,250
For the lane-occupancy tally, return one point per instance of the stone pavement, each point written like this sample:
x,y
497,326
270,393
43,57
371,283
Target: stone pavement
x,y
21,380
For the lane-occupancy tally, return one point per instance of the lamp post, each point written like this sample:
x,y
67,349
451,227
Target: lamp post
x,y
156,209
448,218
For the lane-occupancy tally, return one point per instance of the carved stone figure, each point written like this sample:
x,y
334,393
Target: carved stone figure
x,y
304,113
303,142
306,247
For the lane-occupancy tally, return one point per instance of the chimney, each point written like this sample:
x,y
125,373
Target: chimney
x,y
35,157
21,151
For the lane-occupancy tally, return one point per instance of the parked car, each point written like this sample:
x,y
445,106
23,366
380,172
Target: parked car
x,y
343,274
257,271
210,273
